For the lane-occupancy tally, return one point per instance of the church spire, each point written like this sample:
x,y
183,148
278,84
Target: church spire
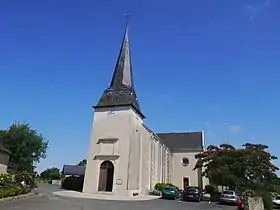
x,y
123,70
121,91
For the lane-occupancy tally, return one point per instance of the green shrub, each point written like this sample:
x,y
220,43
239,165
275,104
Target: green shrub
x,y
5,179
9,186
211,189
73,183
161,186
12,191
22,176
36,184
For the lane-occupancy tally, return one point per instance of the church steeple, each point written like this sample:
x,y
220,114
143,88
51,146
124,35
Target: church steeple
x,y
121,91
123,70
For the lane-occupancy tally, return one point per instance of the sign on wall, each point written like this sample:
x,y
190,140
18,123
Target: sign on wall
x,y
119,181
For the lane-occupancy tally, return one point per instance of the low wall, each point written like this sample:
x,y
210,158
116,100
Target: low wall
x,y
253,203
57,182
3,168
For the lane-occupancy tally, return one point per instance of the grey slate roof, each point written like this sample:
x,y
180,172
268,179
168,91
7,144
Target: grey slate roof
x,y
73,170
184,141
121,91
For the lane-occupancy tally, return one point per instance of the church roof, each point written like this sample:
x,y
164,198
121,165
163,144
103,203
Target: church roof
x,y
184,141
121,91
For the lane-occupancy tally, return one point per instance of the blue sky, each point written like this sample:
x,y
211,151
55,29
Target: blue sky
x,y
198,65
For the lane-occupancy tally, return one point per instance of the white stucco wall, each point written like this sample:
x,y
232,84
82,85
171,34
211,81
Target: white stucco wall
x,y
120,124
139,157
180,171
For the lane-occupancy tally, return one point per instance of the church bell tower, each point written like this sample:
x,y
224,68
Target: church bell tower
x,y
113,157
121,91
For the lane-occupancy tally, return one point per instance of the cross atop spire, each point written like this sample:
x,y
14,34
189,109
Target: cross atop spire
x,y
121,91
127,15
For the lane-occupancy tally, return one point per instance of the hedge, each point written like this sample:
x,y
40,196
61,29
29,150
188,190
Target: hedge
x,y
13,191
73,183
10,186
161,186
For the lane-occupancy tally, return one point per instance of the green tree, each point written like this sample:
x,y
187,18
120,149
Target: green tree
x,y
250,167
50,174
82,163
26,144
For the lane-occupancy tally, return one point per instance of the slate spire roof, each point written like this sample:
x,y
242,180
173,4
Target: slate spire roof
x,y
121,91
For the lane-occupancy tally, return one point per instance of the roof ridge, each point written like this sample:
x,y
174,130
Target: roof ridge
x,y
181,132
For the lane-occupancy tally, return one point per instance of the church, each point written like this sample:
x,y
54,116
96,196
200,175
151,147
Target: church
x,y
126,157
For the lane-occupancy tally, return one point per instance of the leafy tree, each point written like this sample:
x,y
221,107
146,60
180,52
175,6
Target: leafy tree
x,y
26,144
50,174
248,168
82,163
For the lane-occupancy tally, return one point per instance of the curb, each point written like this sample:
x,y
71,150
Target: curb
x,y
16,197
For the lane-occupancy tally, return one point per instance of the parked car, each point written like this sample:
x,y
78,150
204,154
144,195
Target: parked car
x,y
170,193
240,205
192,194
276,201
229,197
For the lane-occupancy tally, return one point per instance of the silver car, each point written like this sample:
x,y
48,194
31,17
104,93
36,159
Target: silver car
x,y
229,197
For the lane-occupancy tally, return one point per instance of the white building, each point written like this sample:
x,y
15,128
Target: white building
x,y
125,156
4,159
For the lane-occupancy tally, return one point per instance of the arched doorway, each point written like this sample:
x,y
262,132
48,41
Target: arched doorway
x,y
106,176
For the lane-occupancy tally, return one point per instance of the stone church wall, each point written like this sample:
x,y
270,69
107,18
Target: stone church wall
x,y
180,171
134,154
116,123
152,163
146,151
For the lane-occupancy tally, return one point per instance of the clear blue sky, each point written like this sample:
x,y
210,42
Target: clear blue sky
x,y
198,65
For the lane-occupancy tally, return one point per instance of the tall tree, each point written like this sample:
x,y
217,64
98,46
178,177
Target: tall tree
x,y
26,144
50,174
249,167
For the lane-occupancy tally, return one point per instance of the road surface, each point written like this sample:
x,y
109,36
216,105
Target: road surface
x,y
45,200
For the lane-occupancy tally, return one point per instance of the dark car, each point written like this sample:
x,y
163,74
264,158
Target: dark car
x,y
170,193
192,194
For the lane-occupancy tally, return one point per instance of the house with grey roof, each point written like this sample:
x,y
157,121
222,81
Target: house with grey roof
x,y
126,157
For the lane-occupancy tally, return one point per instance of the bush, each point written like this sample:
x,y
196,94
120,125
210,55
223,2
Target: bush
x,y
36,184
13,191
5,179
161,186
211,189
9,187
73,183
22,176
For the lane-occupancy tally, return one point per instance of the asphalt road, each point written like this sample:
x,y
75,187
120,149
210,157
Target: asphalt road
x,y
47,201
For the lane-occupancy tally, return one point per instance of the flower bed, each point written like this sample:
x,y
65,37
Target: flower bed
x,y
12,191
10,188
